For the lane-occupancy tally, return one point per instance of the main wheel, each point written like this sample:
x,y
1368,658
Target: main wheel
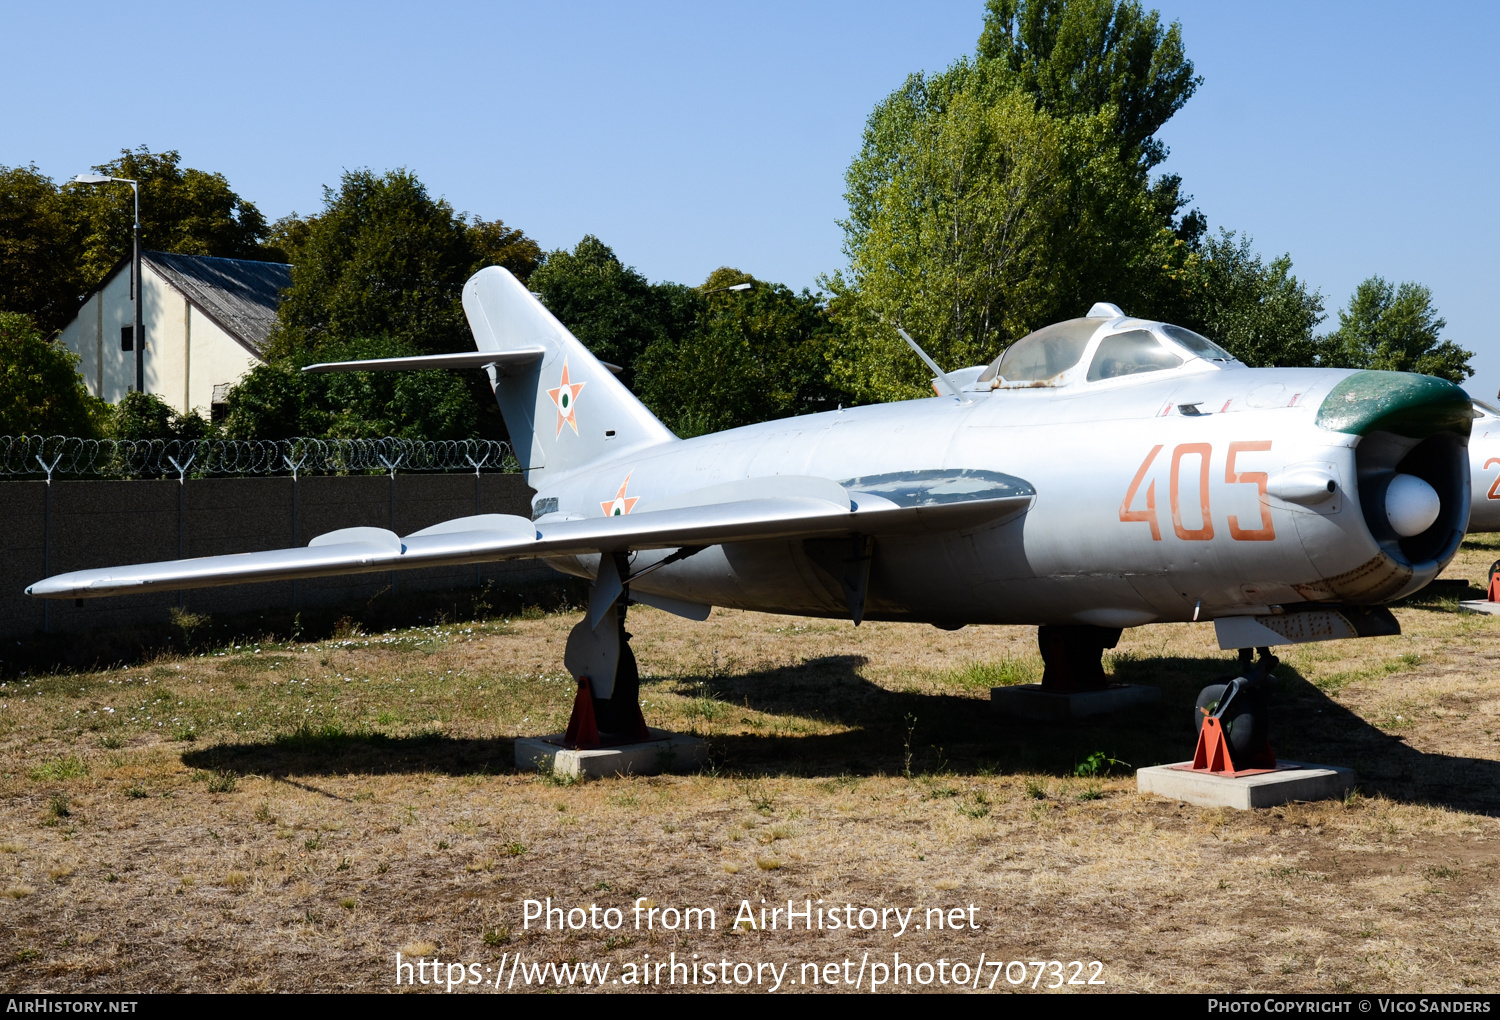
x,y
1209,699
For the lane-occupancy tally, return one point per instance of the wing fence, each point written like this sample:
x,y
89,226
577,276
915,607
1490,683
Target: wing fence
x,y
71,457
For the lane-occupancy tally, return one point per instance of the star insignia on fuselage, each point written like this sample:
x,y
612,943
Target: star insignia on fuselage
x,y
565,398
621,504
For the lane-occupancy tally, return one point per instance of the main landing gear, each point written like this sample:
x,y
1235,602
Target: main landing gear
x,y
607,707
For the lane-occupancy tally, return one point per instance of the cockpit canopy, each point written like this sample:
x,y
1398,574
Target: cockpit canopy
x,y
1111,348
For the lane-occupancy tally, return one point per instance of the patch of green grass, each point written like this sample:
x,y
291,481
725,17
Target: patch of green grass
x,y
1004,672
1091,792
1035,790
975,805
71,767
57,807
1333,682
223,781
136,792
515,849
112,741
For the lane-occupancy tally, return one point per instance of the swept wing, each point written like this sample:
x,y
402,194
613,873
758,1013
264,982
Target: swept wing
x,y
795,507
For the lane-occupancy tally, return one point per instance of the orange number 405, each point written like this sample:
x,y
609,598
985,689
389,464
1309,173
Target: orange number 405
x,y
1205,530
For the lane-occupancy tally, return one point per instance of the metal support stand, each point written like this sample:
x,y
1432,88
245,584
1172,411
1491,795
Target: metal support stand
x,y
391,467
47,534
478,568
294,467
181,511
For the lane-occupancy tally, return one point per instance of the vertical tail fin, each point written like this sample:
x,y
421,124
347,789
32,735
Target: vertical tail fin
x,y
566,409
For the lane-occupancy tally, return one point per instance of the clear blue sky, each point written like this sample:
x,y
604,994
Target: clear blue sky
x,y
1359,137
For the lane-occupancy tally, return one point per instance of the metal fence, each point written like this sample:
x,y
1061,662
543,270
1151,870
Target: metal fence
x,y
70,457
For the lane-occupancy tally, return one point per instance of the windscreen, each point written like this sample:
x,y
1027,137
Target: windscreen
x,y
1199,345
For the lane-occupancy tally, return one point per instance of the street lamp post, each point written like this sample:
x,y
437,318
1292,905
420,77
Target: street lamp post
x,y
138,331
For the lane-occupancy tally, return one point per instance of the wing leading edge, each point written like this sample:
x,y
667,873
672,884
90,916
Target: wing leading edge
x,y
793,508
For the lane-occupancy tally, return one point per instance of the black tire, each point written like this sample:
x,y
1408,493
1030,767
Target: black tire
x,y
1208,698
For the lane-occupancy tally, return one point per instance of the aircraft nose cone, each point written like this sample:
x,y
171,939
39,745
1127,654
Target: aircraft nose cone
x,y
1411,505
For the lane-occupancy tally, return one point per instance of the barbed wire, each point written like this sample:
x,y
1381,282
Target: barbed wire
x,y
73,457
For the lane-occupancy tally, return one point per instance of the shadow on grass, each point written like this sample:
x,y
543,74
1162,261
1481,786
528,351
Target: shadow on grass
x,y
136,644
949,732
330,751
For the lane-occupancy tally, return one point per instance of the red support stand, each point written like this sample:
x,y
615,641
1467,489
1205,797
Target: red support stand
x,y
1213,755
583,731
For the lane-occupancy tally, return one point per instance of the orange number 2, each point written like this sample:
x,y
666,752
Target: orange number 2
x,y
1149,514
1494,494
1267,530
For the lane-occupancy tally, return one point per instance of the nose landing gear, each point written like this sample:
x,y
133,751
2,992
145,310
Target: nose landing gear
x,y
1233,719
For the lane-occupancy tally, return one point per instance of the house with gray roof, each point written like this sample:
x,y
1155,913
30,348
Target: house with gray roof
x,y
206,324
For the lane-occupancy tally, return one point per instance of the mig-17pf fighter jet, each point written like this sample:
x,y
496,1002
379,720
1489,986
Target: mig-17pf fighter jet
x,y
1102,473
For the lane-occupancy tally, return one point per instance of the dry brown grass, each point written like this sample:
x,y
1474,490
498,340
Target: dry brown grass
x,y
283,816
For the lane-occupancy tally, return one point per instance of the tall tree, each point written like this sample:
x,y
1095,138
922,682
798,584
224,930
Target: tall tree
x,y
993,218
1079,56
1259,312
1013,190
1396,328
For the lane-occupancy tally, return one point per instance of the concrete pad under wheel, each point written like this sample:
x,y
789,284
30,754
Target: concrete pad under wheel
x,y
1480,606
664,752
1293,780
1030,701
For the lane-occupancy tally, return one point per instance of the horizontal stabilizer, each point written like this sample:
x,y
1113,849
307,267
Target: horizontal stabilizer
x,y
502,360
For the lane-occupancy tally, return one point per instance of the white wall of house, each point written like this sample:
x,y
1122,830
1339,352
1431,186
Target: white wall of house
x,y
187,354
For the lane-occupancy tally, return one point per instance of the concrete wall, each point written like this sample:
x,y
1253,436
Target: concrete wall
x,y
98,524
187,354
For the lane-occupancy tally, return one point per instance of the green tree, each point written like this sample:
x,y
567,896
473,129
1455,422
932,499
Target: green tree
x,y
1259,312
58,243
278,401
1013,190
1397,329
147,416
612,309
1079,56
186,211
41,393
751,356
385,258
40,274
993,218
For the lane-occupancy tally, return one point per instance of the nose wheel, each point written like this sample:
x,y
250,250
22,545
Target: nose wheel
x,y
1233,718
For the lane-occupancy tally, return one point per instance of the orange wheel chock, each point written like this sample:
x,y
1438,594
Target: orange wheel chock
x,y
583,730
1212,753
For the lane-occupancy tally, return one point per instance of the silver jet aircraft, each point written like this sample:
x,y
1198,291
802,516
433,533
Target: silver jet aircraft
x,y
1484,468
1102,473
